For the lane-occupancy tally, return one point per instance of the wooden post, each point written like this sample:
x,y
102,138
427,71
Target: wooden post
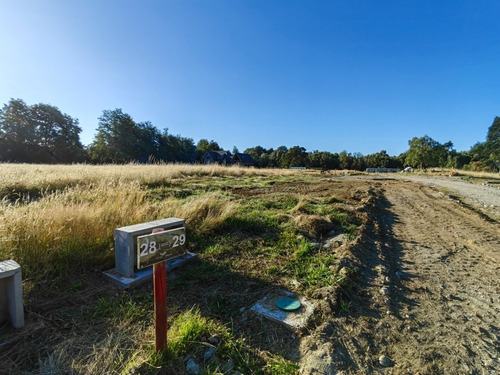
x,y
160,302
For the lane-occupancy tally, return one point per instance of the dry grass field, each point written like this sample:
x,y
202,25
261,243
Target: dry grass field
x,y
252,230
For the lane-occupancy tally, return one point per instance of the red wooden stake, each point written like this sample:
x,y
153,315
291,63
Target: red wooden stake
x,y
160,302
160,297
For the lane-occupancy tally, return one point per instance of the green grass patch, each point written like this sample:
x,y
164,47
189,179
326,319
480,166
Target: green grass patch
x,y
127,307
280,366
192,334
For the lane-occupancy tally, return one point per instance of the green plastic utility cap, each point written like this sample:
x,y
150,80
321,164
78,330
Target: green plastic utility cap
x,y
288,304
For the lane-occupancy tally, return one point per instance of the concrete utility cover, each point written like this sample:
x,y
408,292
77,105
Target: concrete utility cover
x,y
294,320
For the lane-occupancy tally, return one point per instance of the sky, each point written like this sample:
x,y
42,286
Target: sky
x,y
357,75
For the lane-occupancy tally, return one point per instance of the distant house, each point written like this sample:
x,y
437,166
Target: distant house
x,y
216,157
225,158
243,159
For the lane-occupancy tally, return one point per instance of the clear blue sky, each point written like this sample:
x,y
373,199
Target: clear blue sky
x,y
360,76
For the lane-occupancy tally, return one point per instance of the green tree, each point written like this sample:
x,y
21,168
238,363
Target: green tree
x,y
17,132
174,148
276,156
378,160
329,160
295,157
486,155
260,155
425,152
323,159
118,138
204,145
346,160
458,159
38,133
493,140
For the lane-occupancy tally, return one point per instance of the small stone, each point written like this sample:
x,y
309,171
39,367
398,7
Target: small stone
x,y
242,310
384,361
228,366
343,271
209,354
192,367
376,305
213,340
385,291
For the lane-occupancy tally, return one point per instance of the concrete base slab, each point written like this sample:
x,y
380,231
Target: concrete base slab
x,y
294,320
144,275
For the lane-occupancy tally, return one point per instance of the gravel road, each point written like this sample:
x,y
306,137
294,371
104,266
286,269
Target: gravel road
x,y
483,196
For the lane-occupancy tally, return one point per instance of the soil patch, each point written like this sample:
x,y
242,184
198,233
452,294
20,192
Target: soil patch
x,y
428,294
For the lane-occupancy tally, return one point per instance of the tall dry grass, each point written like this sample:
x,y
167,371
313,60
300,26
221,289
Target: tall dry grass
x,y
463,172
73,219
482,175
30,176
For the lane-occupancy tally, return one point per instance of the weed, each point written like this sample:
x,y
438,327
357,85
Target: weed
x,y
303,250
124,307
186,331
344,305
273,271
216,249
350,231
339,217
76,286
280,366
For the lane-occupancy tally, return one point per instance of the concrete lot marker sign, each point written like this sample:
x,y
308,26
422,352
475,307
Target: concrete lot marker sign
x,y
131,269
161,246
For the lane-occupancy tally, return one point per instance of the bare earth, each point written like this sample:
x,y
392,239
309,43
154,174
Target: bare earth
x,y
428,292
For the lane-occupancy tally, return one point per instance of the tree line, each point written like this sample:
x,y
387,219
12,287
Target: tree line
x,y
41,133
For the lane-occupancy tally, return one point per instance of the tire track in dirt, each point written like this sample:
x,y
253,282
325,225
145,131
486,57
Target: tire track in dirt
x,y
428,296
453,255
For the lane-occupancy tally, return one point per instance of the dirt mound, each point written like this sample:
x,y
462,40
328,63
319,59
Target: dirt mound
x,y
315,225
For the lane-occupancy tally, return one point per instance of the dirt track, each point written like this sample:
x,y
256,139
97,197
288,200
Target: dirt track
x,y
428,294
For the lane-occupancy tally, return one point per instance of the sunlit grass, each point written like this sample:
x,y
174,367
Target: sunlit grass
x,y
75,224
247,225
23,177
